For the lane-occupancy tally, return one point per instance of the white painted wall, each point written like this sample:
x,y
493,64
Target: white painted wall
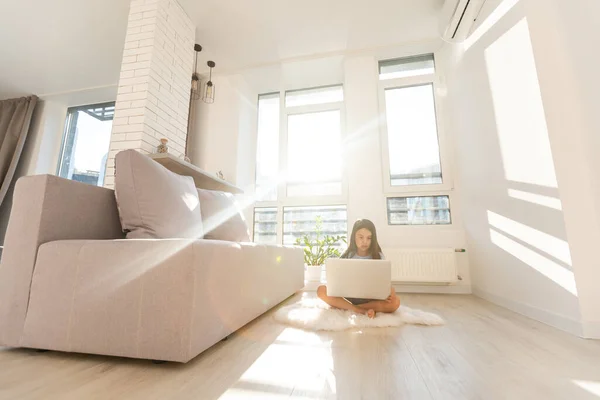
x,y
225,139
214,146
522,92
567,71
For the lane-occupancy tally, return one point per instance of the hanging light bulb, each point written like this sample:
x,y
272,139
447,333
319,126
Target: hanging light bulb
x,y
209,87
195,75
195,86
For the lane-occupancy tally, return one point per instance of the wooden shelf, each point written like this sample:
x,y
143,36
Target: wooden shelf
x,y
203,179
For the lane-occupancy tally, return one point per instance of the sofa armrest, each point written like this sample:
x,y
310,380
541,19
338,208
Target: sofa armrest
x,y
46,208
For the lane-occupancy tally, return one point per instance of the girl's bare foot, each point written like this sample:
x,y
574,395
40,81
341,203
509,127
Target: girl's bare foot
x,y
369,313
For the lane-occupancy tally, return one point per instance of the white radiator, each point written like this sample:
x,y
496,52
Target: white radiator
x,y
423,266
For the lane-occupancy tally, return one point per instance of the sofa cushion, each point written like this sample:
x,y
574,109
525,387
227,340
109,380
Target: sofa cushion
x,y
154,202
222,217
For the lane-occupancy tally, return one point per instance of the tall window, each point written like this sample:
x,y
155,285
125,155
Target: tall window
x,y
413,148
299,221
412,155
267,148
314,157
413,152
86,142
299,169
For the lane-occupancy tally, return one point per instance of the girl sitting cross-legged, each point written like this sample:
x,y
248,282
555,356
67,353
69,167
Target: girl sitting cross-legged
x,y
363,245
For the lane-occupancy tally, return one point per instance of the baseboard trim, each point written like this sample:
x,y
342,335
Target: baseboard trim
x,y
549,318
591,330
433,289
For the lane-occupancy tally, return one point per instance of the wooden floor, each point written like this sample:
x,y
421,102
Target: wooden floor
x,y
484,352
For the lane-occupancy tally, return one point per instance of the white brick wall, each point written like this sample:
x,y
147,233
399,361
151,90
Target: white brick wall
x,y
154,86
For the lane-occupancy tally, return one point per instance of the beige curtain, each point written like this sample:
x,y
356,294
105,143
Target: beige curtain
x,y
15,118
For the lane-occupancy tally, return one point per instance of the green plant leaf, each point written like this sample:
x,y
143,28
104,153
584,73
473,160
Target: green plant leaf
x,y
318,247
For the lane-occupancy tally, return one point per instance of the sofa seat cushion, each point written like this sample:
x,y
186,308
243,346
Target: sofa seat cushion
x,y
222,217
153,202
164,299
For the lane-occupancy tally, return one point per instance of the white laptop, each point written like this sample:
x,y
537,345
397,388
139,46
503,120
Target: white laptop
x,y
365,279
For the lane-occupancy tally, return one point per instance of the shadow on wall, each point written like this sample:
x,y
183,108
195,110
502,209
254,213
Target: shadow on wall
x,y
514,218
526,157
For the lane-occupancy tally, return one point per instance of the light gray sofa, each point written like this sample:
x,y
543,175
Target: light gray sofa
x,y
70,281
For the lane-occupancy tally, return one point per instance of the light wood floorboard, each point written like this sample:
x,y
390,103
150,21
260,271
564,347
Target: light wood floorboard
x,y
483,352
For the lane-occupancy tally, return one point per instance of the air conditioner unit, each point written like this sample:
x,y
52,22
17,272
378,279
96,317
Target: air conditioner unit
x,y
458,18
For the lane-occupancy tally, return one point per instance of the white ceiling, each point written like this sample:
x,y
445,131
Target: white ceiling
x,y
58,46
241,33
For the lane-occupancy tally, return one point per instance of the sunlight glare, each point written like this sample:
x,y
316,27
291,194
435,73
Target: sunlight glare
x,y
135,267
93,144
549,244
550,202
314,147
406,74
191,201
299,336
267,146
590,386
518,108
496,15
246,394
411,119
299,367
551,270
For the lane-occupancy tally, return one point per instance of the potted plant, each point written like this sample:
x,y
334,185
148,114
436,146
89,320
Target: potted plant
x,y
318,248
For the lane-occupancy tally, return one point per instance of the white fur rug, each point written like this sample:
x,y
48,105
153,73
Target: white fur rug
x,y
315,315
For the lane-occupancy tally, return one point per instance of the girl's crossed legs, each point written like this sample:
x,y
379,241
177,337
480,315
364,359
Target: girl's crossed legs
x,y
370,308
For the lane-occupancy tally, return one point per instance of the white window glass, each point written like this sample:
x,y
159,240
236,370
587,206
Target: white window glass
x,y
314,156
265,225
267,154
322,95
300,221
406,67
413,146
427,210
86,143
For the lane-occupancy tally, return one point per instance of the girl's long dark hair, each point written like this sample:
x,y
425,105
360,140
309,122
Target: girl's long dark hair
x,y
374,250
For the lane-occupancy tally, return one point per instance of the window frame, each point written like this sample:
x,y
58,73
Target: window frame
x,y
254,221
70,126
407,195
454,212
265,203
434,79
345,205
297,201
